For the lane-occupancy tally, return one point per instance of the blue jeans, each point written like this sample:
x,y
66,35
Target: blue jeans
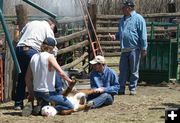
x,y
129,69
62,103
100,99
60,84
24,57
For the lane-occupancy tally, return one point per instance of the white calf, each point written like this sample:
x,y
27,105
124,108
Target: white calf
x,y
78,100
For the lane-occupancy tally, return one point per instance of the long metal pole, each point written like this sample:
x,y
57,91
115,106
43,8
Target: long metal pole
x,y
177,36
1,5
9,41
40,8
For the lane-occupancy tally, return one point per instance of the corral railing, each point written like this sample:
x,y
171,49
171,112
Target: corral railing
x,y
73,43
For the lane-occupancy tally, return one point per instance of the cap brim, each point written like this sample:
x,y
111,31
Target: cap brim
x,y
124,4
50,41
93,62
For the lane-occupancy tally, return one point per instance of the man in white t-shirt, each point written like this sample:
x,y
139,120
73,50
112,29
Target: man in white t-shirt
x,y
41,76
31,38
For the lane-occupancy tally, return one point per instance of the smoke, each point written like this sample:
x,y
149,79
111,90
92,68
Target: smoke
x,y
70,8
61,7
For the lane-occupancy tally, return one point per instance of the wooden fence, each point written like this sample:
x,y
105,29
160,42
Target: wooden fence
x,y
74,40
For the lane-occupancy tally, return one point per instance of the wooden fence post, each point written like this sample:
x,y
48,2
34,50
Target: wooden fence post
x,y
9,71
171,9
92,8
22,18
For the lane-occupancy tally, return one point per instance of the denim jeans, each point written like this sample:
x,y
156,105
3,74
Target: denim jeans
x,y
24,58
129,69
100,99
62,103
60,84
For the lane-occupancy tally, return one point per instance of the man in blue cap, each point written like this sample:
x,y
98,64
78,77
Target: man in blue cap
x,y
31,38
132,34
41,79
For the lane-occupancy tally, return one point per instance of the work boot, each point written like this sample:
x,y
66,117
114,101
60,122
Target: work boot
x,y
121,93
18,108
27,110
18,105
132,92
37,110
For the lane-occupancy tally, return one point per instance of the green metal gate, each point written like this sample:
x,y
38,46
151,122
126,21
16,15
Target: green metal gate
x,y
161,62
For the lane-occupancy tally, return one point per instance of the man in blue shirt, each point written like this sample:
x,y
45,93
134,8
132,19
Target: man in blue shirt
x,y
132,34
104,83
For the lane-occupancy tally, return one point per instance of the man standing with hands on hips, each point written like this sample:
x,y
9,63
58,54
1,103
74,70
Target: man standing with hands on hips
x,y
132,34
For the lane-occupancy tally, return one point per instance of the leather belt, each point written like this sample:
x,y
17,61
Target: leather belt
x,y
126,50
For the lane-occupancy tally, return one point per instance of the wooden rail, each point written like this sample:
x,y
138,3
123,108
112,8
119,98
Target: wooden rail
x,y
67,38
75,62
73,47
154,15
112,43
66,20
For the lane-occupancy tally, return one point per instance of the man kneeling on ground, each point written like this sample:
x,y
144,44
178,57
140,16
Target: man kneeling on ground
x,y
40,80
104,83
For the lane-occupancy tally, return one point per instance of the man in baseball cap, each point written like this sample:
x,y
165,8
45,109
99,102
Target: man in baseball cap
x,y
132,34
129,3
53,21
50,41
104,83
98,59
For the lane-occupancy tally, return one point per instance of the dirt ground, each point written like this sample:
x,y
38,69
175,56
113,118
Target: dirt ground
x,y
148,106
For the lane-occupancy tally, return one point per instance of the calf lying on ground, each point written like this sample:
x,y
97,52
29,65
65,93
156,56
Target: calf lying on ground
x,y
77,98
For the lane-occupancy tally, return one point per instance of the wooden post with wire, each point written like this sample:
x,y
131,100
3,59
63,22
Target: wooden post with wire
x,y
1,65
1,81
